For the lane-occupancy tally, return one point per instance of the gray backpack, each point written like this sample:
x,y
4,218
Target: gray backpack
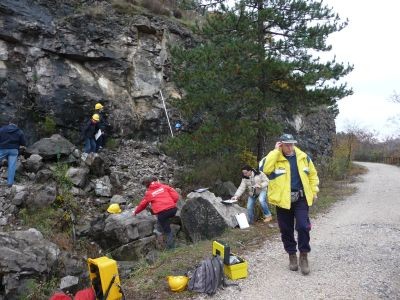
x,y
208,276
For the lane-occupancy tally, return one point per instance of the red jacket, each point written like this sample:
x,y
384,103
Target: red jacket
x,y
161,197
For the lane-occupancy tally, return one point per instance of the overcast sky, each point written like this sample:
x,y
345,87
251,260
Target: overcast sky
x,y
370,42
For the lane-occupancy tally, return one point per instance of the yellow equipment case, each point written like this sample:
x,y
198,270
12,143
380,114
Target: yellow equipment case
x,y
233,271
103,273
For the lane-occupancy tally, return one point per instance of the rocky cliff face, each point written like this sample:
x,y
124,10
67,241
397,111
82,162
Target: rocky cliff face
x,y
58,58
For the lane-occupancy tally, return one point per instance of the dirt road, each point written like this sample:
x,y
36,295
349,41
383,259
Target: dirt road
x,y
355,250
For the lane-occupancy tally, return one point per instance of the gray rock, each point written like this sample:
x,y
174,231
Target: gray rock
x,y
69,283
135,250
33,163
24,253
118,199
78,176
103,186
203,216
50,148
42,196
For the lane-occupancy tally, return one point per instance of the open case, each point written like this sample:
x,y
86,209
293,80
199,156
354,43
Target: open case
x,y
235,267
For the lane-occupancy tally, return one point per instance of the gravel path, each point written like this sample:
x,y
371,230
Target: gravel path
x,y
355,250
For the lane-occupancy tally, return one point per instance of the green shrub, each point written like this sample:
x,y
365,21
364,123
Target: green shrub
x,y
124,6
156,7
38,290
48,126
60,174
112,144
47,220
206,172
177,14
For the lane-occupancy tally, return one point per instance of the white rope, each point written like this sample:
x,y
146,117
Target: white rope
x,y
166,113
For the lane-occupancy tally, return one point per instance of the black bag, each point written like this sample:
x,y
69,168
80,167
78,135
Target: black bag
x,y
208,276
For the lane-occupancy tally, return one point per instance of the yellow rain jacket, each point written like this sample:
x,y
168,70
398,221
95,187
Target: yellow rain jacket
x,y
277,168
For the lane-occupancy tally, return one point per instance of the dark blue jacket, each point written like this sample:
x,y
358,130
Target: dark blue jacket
x,y
11,137
90,129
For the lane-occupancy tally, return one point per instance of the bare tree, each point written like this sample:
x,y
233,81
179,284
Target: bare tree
x,y
395,97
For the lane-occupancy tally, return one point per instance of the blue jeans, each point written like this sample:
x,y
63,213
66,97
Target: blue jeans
x,y
12,156
251,201
90,145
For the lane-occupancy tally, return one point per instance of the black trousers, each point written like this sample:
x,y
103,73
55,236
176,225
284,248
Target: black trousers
x,y
163,219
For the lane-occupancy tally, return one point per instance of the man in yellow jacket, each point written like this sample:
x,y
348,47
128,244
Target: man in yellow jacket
x,y
293,187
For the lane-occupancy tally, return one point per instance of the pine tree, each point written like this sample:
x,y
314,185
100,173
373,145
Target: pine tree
x,y
255,58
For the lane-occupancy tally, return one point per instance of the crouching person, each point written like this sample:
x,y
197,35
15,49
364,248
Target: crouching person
x,y
162,199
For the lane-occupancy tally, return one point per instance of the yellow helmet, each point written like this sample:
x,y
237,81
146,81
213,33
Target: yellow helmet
x,y
96,117
177,283
98,106
114,208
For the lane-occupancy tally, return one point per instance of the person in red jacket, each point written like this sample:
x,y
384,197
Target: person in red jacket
x,y
162,199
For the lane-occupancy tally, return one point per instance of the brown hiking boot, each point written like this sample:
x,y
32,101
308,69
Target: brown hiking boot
x,y
267,219
305,269
293,266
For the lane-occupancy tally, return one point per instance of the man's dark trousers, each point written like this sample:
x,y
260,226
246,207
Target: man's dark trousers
x,y
286,218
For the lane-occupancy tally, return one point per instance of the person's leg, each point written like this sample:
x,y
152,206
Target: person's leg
x,y
87,146
102,139
163,219
286,226
99,142
3,156
264,206
250,209
12,165
92,145
303,227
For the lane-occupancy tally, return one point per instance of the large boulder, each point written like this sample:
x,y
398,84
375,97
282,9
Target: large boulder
x,y
78,176
120,229
24,254
135,250
204,216
42,195
52,147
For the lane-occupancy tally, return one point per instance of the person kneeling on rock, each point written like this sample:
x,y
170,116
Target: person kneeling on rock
x,y
163,200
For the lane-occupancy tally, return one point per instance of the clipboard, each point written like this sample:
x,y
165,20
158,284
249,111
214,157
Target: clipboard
x,y
98,134
200,190
229,201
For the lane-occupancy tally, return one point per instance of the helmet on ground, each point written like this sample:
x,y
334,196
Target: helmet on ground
x,y
114,208
177,283
96,117
98,106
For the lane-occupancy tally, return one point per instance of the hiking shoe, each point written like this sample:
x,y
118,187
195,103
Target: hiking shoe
x,y
267,219
293,266
84,156
305,269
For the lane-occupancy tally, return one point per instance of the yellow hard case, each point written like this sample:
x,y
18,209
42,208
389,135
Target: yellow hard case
x,y
103,273
235,271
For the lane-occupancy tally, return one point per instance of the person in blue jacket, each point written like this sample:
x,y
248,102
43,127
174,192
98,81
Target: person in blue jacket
x,y
11,138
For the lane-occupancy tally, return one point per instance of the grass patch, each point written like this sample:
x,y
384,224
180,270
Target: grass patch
x,y
38,290
112,144
47,220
